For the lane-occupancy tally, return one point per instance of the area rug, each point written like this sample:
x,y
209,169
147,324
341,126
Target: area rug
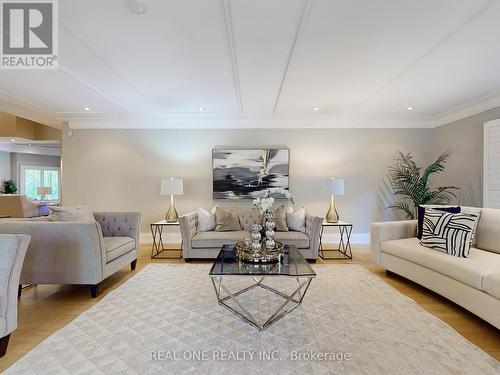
x,y
166,320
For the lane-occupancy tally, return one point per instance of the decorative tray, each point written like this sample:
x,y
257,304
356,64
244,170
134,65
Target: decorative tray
x,y
263,256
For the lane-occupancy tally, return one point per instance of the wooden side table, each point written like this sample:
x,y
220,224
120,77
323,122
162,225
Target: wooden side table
x,y
345,230
158,246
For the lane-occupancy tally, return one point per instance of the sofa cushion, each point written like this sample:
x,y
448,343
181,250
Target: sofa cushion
x,y
117,246
217,239
488,233
475,211
249,217
491,285
280,219
421,214
299,239
296,220
448,232
469,270
206,220
226,220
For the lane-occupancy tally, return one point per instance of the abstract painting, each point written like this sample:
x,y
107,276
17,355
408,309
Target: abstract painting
x,y
244,174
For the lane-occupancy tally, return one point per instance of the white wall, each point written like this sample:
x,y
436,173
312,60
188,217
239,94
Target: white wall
x,y
122,169
4,167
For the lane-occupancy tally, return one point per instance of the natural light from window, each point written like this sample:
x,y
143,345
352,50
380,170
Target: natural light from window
x,y
33,177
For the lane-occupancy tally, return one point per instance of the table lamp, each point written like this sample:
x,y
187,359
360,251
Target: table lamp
x,y
43,191
171,186
333,186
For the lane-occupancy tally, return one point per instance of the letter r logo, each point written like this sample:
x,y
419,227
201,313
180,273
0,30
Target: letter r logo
x,y
28,28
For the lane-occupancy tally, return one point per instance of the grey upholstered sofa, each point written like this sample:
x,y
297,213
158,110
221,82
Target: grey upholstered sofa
x,y
78,252
472,282
206,245
12,252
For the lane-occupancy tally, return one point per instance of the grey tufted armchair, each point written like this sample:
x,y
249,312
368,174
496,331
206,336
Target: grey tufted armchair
x,y
78,252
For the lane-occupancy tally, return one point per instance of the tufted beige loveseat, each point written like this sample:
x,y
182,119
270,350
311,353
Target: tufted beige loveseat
x,y
206,245
77,252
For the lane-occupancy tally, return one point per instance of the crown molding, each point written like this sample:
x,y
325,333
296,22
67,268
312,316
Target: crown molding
x,y
23,108
223,121
467,110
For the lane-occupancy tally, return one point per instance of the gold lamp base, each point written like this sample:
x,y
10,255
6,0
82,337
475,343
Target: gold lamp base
x,y
171,216
332,216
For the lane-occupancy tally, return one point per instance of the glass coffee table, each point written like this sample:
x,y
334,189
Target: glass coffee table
x,y
293,265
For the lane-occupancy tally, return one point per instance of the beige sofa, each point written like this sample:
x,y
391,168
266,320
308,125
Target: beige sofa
x,y
206,245
78,252
12,252
15,205
473,282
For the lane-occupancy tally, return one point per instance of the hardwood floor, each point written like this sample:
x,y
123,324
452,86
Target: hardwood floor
x,y
46,308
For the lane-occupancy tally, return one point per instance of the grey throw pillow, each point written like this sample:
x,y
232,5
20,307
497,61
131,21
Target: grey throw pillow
x,y
226,221
280,219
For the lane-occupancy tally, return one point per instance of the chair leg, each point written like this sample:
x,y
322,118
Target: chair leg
x,y
4,342
133,265
19,291
94,290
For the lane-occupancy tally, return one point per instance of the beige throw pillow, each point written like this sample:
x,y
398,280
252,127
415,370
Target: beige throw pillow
x,y
226,221
80,213
280,219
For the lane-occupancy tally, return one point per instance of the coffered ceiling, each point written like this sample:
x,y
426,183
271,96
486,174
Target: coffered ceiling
x,y
265,63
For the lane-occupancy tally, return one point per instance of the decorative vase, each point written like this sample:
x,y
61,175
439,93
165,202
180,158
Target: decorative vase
x,y
270,234
256,237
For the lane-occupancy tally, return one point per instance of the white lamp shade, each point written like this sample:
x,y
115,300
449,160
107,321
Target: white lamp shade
x,y
335,186
44,190
172,186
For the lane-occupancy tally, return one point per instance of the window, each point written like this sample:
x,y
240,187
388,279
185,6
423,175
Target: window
x,y
33,177
491,180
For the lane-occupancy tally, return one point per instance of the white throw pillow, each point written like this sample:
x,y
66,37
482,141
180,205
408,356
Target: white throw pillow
x,y
80,213
206,220
296,220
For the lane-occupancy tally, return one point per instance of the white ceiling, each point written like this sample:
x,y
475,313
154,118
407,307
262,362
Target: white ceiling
x,y
265,63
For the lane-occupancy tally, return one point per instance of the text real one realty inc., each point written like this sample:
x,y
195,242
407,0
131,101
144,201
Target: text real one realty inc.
x,y
247,355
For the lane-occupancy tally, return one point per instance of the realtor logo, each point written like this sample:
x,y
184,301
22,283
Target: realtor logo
x,y
29,34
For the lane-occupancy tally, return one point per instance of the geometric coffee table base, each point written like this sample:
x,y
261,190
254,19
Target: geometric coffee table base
x,y
291,301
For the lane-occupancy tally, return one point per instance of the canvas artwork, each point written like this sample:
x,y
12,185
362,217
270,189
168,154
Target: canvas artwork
x,y
244,174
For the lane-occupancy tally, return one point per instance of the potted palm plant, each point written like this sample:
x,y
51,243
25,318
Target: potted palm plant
x,y
9,187
411,184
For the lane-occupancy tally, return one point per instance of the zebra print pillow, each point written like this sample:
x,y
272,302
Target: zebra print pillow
x,y
448,232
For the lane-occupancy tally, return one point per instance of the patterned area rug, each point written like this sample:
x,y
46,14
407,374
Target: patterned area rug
x,y
166,320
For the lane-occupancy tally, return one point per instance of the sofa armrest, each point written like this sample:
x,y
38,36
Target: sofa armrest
x,y
12,251
389,230
313,231
60,252
188,224
120,224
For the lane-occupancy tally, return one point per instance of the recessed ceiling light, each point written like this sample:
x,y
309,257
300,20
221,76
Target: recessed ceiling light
x,y
316,108
87,108
29,144
202,109
410,108
12,140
